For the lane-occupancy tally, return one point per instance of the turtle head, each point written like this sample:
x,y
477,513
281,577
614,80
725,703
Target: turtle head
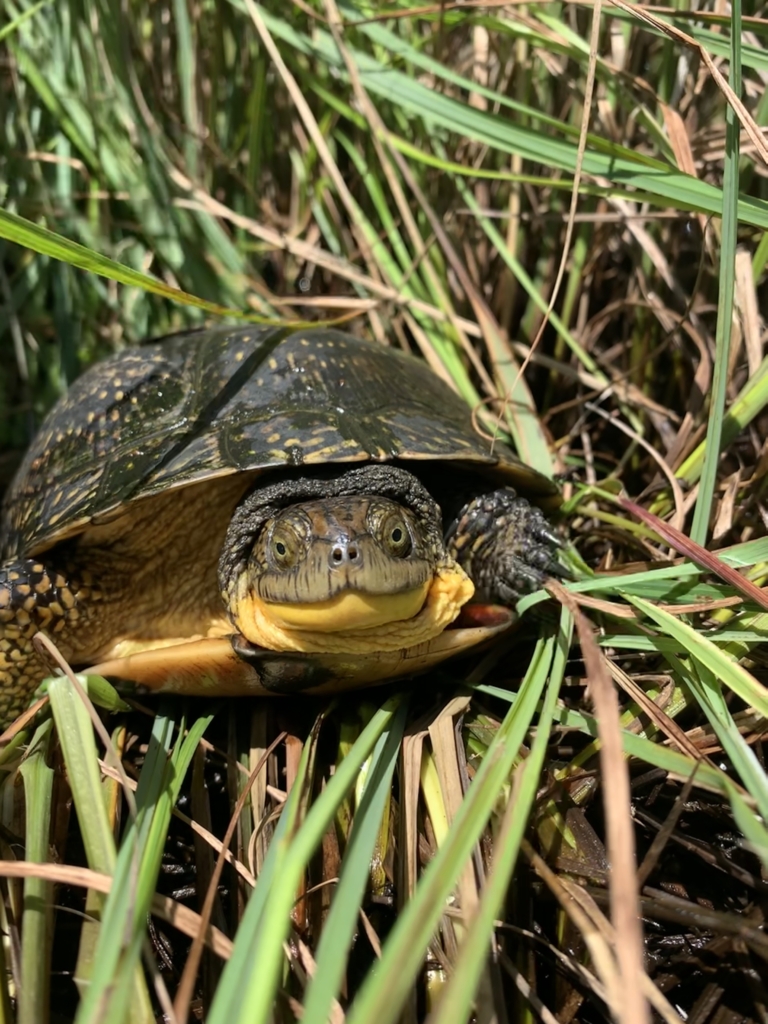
x,y
324,562
347,562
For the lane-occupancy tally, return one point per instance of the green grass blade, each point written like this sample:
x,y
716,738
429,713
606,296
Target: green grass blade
x,y
73,121
250,980
729,672
75,732
122,935
228,999
15,23
39,239
748,404
709,695
384,991
339,927
455,1004
187,79
754,831
37,916
730,224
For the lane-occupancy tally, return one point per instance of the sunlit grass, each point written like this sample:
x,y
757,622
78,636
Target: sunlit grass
x,y
166,164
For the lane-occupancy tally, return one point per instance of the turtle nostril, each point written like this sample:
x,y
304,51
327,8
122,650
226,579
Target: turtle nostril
x,y
345,554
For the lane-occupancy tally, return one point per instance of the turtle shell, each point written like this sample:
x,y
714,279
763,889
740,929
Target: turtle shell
x,y
209,403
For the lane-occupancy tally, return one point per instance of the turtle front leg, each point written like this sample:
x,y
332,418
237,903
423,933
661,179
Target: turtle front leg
x,y
504,544
32,598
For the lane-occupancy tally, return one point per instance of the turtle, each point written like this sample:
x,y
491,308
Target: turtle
x,y
262,510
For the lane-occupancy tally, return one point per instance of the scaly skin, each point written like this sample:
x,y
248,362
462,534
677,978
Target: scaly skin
x,y
34,598
504,544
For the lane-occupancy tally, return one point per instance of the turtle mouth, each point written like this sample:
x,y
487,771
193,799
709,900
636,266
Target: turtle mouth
x,y
354,622
348,610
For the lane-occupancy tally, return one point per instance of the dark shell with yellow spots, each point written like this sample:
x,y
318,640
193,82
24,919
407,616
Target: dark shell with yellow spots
x,y
204,404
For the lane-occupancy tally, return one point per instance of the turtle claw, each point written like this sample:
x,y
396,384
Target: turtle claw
x,y
505,545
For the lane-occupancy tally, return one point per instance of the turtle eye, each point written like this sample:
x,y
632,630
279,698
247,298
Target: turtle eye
x,y
396,536
284,546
